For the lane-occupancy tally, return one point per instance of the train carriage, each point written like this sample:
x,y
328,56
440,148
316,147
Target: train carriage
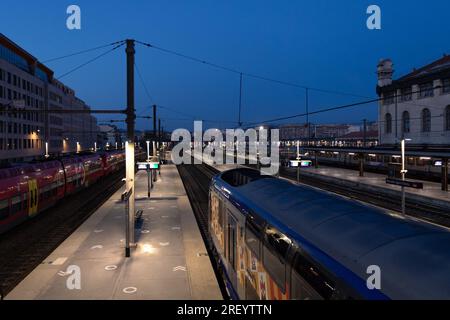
x,y
28,189
277,240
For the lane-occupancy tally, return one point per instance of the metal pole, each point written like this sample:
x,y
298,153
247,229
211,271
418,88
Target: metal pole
x,y
240,100
307,113
365,133
154,126
148,179
444,172
403,172
298,161
127,229
130,135
361,164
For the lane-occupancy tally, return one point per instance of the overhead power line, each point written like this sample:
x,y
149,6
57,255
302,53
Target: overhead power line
x,y
251,75
395,96
90,61
82,51
143,83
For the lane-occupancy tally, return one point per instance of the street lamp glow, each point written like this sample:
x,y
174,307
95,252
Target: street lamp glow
x,y
78,147
46,150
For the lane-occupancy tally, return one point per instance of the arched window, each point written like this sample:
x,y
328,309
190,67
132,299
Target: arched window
x,y
405,122
388,123
426,120
447,118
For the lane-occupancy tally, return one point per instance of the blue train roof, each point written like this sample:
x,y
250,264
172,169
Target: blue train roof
x,y
413,256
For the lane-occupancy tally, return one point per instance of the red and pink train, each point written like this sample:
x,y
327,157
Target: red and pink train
x,y
28,189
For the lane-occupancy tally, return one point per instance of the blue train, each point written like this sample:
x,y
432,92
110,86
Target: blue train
x,y
277,240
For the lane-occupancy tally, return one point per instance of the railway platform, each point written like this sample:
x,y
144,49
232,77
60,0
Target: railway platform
x,y
170,260
431,190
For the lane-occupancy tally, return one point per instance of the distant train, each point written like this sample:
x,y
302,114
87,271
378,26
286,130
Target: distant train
x,y
277,240
28,189
426,168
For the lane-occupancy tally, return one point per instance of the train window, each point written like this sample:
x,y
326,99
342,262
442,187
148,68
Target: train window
x,y
4,209
25,200
231,248
16,204
274,252
253,230
308,282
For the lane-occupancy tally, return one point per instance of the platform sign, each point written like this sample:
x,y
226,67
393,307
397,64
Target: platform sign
x,y
300,163
148,165
154,165
142,165
437,163
405,183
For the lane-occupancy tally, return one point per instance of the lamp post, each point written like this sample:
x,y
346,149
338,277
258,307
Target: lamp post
x,y
298,161
403,172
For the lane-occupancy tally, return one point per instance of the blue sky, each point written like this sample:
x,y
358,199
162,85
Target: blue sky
x,y
322,44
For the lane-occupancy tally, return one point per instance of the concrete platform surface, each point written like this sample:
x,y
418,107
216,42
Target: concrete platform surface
x,y
169,262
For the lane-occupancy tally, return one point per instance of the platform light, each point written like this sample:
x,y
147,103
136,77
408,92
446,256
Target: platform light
x,y
351,153
95,146
372,155
335,152
78,147
396,157
425,158
148,248
46,150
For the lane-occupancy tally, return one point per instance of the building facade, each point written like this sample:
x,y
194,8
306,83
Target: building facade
x,y
27,84
415,106
316,131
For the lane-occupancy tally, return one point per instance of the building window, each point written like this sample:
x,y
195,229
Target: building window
x,y
426,90
388,123
446,85
389,98
426,120
447,118
406,94
405,122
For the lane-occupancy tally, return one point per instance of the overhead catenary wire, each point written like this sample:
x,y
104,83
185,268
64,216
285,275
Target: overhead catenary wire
x,y
246,74
147,92
90,61
83,51
335,108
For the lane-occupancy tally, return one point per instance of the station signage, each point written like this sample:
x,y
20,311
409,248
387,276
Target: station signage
x,y
405,183
148,165
300,163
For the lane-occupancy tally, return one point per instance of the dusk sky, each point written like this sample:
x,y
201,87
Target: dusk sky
x,y
321,44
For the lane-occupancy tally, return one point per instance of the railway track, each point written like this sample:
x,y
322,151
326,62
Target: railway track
x,y
196,179
24,247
